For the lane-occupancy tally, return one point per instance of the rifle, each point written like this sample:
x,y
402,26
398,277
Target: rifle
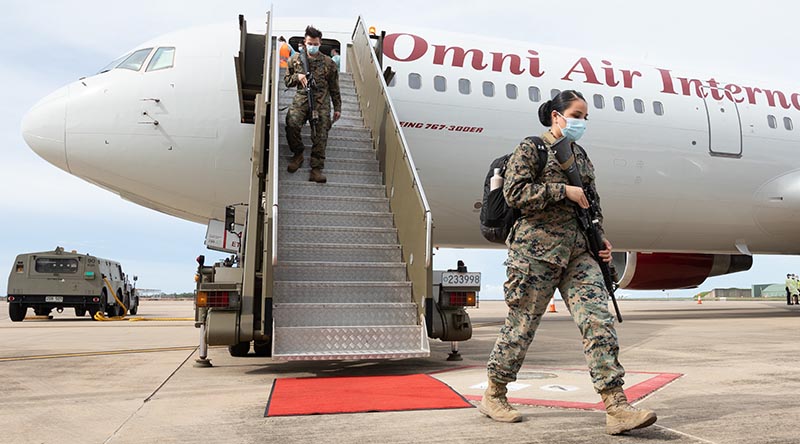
x,y
588,219
311,88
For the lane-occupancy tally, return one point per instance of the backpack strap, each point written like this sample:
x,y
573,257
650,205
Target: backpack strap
x,y
541,153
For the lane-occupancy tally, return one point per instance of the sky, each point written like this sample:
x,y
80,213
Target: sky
x,y
48,43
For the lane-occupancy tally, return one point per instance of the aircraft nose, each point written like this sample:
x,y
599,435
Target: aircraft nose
x,y
43,128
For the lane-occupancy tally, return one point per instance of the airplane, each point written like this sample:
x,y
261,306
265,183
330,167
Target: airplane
x,y
695,172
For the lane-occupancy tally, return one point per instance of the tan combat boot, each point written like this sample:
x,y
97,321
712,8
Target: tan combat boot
x,y
295,163
317,176
621,416
495,405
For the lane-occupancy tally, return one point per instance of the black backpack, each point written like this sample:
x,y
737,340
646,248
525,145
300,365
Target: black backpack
x,y
497,217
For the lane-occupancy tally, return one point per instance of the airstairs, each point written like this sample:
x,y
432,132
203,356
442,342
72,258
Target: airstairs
x,y
338,270
341,288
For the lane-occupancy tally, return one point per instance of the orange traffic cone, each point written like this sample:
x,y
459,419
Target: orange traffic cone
x,y
552,308
699,300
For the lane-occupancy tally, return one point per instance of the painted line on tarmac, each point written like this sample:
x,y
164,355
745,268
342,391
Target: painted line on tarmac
x,y
100,353
678,432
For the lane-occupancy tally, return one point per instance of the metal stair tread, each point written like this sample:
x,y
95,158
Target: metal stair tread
x,y
342,264
341,213
316,284
333,171
345,305
364,186
339,198
335,228
334,246
333,147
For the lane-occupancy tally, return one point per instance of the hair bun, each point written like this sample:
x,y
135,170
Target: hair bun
x,y
545,113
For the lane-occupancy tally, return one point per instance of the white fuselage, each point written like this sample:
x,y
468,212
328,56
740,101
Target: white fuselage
x,y
661,187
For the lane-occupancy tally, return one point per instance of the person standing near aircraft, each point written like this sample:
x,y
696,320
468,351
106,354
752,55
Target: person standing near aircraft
x,y
790,288
326,90
336,58
547,250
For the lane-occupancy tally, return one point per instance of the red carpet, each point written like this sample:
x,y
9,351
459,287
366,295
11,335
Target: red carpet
x,y
358,394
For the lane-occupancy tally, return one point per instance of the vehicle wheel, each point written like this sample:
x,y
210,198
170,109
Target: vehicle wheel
x,y
263,349
135,309
17,312
42,311
239,350
80,312
114,310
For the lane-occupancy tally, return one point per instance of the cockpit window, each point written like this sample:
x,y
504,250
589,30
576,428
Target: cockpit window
x,y
164,58
113,64
135,61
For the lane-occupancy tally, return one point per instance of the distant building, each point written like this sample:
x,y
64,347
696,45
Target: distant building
x,y
730,293
769,290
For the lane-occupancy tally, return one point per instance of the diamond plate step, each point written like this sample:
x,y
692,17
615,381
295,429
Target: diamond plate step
x,y
336,133
336,235
331,189
327,203
309,343
334,151
353,177
352,219
341,164
294,251
334,271
349,143
341,292
348,108
344,315
347,119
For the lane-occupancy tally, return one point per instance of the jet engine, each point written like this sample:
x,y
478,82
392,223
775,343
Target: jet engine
x,y
672,271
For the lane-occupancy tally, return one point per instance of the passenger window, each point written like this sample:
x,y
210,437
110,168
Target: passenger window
x,y
414,81
599,101
163,58
464,86
488,89
554,93
534,94
772,121
135,61
638,106
658,108
511,91
439,83
619,103
787,122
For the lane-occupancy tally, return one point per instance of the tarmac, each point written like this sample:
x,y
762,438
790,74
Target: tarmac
x,y
74,380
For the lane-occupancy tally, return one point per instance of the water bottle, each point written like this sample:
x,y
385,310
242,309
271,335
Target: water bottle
x,y
496,181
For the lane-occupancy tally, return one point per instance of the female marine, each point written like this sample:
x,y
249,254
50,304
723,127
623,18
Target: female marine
x,y
547,250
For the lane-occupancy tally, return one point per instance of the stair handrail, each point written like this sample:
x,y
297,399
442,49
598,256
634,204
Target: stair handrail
x,y
380,116
274,156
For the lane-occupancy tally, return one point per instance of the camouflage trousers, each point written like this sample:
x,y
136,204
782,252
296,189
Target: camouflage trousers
x,y
528,291
296,117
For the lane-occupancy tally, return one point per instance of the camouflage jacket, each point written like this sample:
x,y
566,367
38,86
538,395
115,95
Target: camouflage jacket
x,y
547,230
326,76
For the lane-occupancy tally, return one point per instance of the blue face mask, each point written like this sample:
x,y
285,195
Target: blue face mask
x,y
313,49
574,129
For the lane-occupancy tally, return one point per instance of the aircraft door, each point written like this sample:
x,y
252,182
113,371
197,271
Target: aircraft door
x,y
724,124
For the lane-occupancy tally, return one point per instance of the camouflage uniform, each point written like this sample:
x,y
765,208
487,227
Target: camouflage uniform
x,y
326,76
547,250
